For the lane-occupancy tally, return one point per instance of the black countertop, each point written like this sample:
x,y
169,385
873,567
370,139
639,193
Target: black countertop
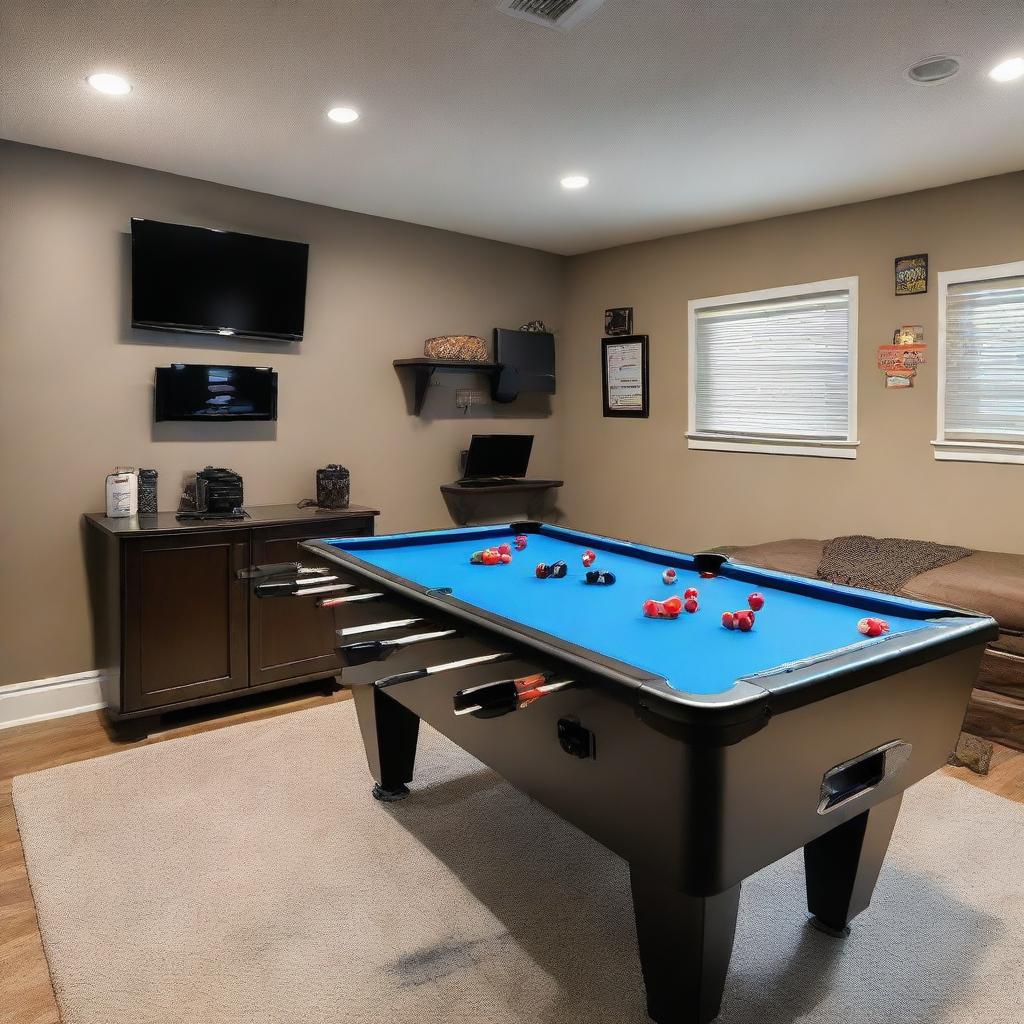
x,y
259,515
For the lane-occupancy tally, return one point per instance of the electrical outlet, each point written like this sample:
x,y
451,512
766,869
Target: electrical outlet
x,y
466,398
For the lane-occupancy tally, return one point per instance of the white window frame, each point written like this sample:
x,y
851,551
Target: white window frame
x,y
843,449
947,450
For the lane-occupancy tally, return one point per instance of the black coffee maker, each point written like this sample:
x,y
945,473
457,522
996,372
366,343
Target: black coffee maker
x,y
218,491
214,494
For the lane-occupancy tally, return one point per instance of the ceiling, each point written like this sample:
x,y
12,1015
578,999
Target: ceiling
x,y
685,115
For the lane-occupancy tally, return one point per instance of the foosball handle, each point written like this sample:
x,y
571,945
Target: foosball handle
x,y
262,572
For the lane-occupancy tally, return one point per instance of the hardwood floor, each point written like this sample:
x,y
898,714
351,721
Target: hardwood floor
x,y
26,996
1005,777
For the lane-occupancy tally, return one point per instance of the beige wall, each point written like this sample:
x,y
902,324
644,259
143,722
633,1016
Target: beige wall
x,y
76,381
377,288
636,478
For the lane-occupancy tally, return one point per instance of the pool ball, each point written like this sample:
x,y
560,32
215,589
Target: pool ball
x,y
662,609
756,601
872,627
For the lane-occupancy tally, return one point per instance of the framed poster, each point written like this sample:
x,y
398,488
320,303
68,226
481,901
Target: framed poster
x,y
912,274
624,376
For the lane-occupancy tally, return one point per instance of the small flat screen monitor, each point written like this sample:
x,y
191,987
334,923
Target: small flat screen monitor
x,y
498,455
203,281
188,392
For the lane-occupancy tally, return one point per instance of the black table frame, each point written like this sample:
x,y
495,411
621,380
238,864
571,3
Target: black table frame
x,y
696,793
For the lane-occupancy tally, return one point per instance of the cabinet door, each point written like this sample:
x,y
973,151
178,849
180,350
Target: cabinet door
x,y
186,622
289,637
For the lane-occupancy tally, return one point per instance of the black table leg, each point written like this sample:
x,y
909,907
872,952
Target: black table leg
x,y
842,866
685,944
389,735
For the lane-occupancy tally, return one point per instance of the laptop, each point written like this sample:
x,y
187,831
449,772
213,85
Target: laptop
x,y
494,460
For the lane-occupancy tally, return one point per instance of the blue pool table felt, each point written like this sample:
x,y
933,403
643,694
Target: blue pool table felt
x,y
694,652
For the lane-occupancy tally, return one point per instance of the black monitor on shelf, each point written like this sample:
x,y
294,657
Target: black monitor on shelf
x,y
498,455
526,363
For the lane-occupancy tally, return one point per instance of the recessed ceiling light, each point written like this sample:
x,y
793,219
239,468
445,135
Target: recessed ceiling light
x,y
934,69
1008,71
343,115
226,332
112,85
573,181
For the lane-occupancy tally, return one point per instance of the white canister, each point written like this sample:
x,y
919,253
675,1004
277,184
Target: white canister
x,y
122,493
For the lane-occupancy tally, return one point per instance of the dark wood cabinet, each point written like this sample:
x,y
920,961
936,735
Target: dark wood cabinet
x,y
185,616
174,624
290,638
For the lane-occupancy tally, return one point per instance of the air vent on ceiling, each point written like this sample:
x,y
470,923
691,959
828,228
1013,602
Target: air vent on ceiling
x,y
934,69
563,14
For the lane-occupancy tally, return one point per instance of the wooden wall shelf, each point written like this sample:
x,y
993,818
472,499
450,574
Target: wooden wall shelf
x,y
424,369
463,502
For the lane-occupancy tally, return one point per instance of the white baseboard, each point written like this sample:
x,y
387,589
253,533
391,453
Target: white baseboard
x,y
40,699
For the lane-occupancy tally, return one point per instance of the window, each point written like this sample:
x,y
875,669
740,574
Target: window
x,y
981,364
776,371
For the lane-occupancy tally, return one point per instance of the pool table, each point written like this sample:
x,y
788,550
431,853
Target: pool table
x,y
697,753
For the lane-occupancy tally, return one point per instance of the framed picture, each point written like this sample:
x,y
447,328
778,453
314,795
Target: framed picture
x,y
624,376
908,334
618,322
912,274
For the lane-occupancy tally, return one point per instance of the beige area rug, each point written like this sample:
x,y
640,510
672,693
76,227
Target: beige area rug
x,y
247,875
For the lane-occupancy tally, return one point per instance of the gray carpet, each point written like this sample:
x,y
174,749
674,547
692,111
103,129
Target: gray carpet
x,y
246,875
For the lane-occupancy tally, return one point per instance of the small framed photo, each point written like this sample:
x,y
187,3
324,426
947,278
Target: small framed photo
x,y
912,274
618,322
624,376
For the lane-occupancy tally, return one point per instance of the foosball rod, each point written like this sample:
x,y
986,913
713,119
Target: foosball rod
x,y
308,585
332,588
363,651
333,602
374,627
430,670
522,698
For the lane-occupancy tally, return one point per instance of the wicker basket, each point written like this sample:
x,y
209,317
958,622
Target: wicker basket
x,y
466,347
332,486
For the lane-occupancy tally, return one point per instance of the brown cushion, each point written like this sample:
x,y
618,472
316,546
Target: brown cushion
x,y
986,581
800,557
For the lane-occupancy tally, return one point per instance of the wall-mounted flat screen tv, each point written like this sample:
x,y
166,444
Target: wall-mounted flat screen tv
x,y
189,392
205,281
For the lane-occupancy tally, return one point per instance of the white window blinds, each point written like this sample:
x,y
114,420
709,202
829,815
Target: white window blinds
x,y
984,360
778,368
